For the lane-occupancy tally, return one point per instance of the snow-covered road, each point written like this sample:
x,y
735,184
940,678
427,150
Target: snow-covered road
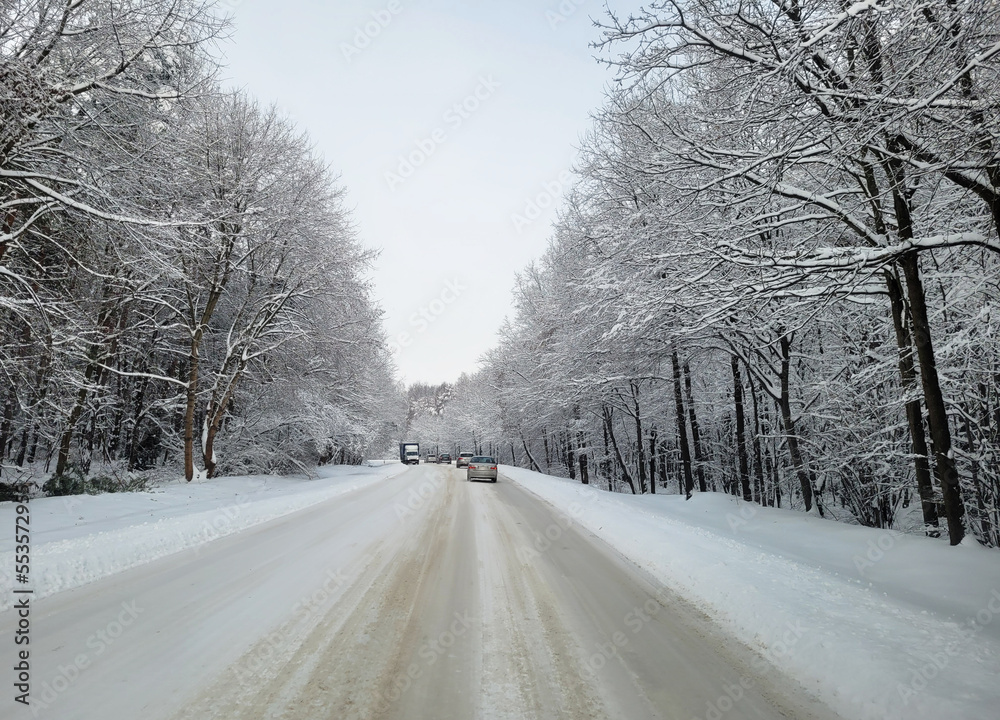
x,y
417,596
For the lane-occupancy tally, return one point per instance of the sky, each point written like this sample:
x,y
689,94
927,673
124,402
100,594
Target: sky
x,y
453,127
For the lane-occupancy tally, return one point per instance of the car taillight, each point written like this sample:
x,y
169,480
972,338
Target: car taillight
x,y
493,468
472,467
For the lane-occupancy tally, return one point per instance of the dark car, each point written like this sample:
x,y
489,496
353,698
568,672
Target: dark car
x,y
482,466
444,458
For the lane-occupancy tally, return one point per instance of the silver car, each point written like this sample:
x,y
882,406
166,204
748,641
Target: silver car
x,y
463,459
482,467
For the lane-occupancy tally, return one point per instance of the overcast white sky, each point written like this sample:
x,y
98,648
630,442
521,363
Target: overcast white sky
x,y
524,79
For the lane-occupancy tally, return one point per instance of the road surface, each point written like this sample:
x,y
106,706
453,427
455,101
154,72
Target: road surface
x,y
423,596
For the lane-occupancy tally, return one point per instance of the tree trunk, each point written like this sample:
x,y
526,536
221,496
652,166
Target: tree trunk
x,y
741,439
570,460
137,413
5,428
937,413
606,460
210,430
640,448
760,495
652,460
65,443
42,389
904,345
771,458
191,399
681,428
531,459
791,439
914,416
23,447
610,428
699,455
985,526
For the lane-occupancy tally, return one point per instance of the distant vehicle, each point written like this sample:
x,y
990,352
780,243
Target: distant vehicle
x,y
432,459
463,459
482,466
444,458
409,453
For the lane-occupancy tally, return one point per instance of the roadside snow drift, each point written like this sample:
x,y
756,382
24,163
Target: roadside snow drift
x,y
82,538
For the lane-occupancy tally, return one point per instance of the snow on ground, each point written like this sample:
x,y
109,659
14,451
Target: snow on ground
x,y
81,538
878,624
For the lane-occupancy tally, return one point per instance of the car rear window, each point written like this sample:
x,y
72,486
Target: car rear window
x,y
483,459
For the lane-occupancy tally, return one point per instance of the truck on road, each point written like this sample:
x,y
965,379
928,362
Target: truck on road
x,y
409,453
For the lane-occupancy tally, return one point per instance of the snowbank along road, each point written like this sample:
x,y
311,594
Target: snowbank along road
x,y
422,596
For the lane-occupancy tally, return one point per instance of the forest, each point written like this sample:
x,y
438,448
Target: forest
x,y
776,275
181,284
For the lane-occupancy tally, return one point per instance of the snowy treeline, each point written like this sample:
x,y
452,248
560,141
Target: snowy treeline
x,y
778,273
179,278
